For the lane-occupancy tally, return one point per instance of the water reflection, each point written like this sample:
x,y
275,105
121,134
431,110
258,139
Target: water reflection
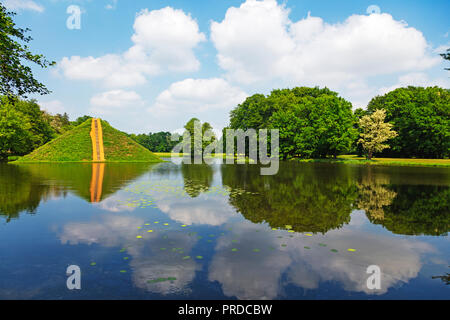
x,y
220,231
308,262
313,199
24,186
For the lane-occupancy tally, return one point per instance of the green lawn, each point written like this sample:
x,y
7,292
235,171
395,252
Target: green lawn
x,y
353,159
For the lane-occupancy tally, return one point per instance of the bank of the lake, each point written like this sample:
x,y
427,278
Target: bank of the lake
x,y
353,159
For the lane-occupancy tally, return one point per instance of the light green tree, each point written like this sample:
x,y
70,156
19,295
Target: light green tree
x,y
375,132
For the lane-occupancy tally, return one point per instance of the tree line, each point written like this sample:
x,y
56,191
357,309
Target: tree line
x,y
412,122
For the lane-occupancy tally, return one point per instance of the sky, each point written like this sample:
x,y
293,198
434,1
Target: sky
x,y
149,66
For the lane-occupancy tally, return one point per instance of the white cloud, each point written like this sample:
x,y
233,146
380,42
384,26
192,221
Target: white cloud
x,y
199,95
259,43
116,99
163,42
52,106
23,5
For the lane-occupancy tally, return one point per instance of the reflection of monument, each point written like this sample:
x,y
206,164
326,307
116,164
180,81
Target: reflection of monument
x,y
24,186
98,171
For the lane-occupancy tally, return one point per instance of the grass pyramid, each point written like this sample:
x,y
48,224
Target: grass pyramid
x,y
76,146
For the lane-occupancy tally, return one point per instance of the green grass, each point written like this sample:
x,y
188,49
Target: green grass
x,y
352,159
76,146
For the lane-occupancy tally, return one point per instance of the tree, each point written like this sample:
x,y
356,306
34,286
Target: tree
x,y
155,142
15,136
375,132
80,120
207,137
421,117
60,122
446,56
313,122
16,79
25,129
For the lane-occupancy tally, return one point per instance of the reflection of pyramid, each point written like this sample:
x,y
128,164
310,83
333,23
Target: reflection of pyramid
x,y
24,186
98,171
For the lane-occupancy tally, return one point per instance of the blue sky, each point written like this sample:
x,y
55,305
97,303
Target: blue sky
x,y
152,65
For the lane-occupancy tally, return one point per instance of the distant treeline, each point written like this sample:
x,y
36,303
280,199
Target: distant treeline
x,y
155,142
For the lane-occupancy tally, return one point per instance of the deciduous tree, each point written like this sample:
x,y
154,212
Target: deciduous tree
x,y
16,78
375,132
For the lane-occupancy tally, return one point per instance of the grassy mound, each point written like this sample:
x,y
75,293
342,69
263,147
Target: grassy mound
x,y
76,146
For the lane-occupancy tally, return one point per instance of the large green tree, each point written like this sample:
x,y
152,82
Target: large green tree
x,y
313,122
16,77
421,117
24,126
15,136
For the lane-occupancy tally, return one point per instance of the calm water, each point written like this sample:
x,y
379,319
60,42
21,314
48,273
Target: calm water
x,y
223,231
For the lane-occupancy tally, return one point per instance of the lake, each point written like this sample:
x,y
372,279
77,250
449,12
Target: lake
x,y
179,231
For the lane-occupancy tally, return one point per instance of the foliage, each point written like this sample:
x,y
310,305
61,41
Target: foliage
x,y
313,122
375,132
60,122
24,126
193,127
15,135
155,142
421,117
80,120
446,56
16,78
